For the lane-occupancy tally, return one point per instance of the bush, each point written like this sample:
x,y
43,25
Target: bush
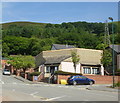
x,y
117,84
66,73
35,73
117,72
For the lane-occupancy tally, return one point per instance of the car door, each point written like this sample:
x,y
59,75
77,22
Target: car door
x,y
85,80
76,78
82,80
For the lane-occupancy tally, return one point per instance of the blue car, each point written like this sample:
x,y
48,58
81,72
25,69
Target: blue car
x,y
80,80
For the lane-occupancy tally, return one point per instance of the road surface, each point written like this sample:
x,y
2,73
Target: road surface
x,y
16,90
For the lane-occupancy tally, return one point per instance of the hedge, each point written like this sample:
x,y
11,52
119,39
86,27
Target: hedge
x,y
35,73
66,73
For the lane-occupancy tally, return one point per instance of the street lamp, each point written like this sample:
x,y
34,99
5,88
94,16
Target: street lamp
x,y
113,52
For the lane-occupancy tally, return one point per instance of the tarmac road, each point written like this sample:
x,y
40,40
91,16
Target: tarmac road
x,y
16,90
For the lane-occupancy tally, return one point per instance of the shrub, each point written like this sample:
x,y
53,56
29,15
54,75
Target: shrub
x,y
117,84
35,73
117,72
66,73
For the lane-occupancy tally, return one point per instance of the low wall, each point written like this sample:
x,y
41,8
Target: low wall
x,y
99,79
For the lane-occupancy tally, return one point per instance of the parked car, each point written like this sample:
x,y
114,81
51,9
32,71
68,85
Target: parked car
x,y
80,80
6,72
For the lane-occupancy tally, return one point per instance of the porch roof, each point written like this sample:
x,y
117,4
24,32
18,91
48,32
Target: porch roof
x,y
55,60
90,64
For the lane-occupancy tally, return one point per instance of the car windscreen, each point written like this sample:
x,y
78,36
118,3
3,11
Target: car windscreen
x,y
7,70
70,77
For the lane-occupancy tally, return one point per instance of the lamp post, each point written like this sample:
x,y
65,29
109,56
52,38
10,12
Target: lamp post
x,y
113,59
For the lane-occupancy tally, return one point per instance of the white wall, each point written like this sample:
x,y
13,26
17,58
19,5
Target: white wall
x,y
68,67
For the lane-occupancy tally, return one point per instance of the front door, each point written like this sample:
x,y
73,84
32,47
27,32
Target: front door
x,y
52,69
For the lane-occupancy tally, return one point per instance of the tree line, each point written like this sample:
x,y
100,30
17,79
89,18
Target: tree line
x,y
27,38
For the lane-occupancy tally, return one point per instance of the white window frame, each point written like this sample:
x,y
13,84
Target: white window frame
x,y
47,69
86,70
97,69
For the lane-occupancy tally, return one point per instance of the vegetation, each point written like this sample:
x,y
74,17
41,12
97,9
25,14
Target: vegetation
x,y
21,62
117,84
34,73
106,58
28,38
75,59
59,72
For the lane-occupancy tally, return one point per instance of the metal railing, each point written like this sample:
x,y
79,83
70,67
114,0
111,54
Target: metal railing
x,y
50,78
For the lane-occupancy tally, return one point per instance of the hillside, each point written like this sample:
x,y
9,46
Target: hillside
x,y
21,23
30,38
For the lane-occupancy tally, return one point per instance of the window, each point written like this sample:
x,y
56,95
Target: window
x,y
95,71
47,69
86,70
56,68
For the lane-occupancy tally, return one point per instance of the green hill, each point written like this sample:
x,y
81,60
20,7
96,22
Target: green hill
x,y
21,23
30,38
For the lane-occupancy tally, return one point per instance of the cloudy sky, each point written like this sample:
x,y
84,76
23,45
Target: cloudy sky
x,y
58,12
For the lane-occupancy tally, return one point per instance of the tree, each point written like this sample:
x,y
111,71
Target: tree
x,y
75,59
106,58
22,62
5,50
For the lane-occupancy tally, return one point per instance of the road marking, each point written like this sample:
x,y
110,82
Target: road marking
x,y
2,82
27,84
54,98
13,90
14,83
33,93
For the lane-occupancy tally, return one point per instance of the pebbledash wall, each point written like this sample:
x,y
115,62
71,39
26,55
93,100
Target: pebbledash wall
x,y
99,79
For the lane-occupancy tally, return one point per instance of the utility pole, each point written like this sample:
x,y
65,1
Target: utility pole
x,y
113,59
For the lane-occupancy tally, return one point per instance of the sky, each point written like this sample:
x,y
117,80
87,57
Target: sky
x,y
59,12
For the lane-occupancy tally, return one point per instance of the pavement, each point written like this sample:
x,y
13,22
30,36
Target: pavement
x,y
103,87
98,87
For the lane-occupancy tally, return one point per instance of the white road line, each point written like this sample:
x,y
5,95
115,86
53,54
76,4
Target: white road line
x,y
14,83
33,93
2,82
13,90
27,84
54,98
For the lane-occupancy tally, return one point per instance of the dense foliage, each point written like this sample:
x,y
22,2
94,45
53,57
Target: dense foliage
x,y
35,73
20,61
29,38
65,73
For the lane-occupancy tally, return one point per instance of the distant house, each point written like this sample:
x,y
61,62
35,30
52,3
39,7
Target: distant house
x,y
58,46
117,55
53,60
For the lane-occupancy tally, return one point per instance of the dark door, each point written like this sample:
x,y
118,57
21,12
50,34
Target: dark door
x,y
52,69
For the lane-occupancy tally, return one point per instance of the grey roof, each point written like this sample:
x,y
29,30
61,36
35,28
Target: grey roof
x,y
59,46
116,48
55,60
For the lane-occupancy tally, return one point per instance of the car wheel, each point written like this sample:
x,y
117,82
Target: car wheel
x,y
91,82
74,83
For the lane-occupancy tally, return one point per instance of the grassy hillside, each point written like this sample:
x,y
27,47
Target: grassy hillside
x,y
21,23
